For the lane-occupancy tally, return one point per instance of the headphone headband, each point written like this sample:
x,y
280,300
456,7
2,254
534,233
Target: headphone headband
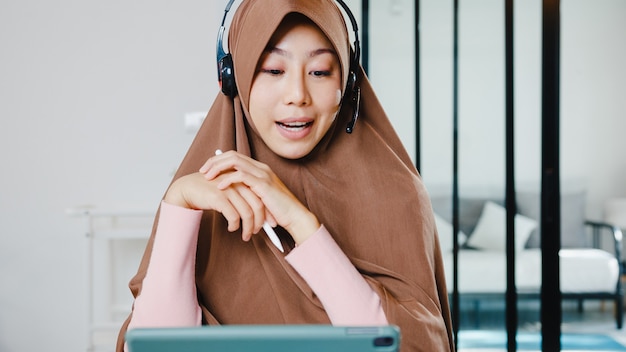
x,y
355,28
220,34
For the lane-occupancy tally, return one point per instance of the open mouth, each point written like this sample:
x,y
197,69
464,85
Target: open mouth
x,y
294,126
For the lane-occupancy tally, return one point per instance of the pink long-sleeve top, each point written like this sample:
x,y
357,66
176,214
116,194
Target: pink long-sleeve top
x,y
168,296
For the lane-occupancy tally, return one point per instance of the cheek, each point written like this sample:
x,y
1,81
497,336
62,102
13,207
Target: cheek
x,y
257,110
259,101
337,104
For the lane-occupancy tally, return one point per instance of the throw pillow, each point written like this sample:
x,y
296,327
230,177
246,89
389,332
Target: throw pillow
x,y
445,231
490,232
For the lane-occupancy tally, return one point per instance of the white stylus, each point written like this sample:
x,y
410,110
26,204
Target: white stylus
x,y
268,229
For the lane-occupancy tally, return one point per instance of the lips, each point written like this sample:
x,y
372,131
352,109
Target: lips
x,y
294,126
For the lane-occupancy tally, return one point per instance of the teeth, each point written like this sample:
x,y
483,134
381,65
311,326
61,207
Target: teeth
x,y
294,125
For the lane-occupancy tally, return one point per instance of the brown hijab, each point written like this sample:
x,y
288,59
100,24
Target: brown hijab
x,y
362,186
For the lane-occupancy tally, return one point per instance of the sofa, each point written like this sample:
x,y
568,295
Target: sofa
x,y
590,255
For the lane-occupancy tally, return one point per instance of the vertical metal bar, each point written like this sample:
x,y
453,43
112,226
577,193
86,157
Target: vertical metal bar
x,y
365,35
511,288
550,181
456,315
418,104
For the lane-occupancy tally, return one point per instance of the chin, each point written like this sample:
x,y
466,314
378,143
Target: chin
x,y
293,153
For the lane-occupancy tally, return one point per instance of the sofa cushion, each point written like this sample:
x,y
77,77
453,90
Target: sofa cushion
x,y
581,271
573,233
490,232
445,231
470,209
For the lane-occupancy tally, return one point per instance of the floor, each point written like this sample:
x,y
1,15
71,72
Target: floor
x,y
596,318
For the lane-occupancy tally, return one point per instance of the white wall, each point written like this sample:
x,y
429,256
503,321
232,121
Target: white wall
x,y
592,97
92,102
93,94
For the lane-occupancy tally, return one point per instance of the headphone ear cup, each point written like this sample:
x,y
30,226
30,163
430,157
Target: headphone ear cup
x,y
350,85
227,76
353,97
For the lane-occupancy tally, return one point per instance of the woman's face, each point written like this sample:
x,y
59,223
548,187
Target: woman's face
x,y
296,90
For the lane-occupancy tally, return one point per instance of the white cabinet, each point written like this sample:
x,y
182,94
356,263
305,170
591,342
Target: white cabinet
x,y
114,243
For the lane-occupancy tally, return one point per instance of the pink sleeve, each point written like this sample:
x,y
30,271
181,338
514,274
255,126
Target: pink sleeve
x,y
346,296
168,294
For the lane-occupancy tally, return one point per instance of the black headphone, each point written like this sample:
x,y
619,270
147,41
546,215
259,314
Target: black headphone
x,y
226,72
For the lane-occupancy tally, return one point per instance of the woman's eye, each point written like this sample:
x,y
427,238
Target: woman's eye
x,y
320,73
270,71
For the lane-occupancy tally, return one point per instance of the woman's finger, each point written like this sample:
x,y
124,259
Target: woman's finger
x,y
232,161
249,207
255,204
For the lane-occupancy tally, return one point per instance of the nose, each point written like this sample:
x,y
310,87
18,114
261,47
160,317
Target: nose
x,y
296,90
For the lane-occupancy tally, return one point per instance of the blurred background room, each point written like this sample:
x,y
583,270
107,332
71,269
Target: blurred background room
x,y
99,101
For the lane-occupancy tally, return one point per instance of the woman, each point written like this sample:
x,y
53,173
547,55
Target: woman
x,y
350,209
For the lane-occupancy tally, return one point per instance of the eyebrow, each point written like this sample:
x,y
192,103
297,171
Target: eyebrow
x,y
275,50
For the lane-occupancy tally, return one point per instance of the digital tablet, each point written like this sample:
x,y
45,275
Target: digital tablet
x,y
265,338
